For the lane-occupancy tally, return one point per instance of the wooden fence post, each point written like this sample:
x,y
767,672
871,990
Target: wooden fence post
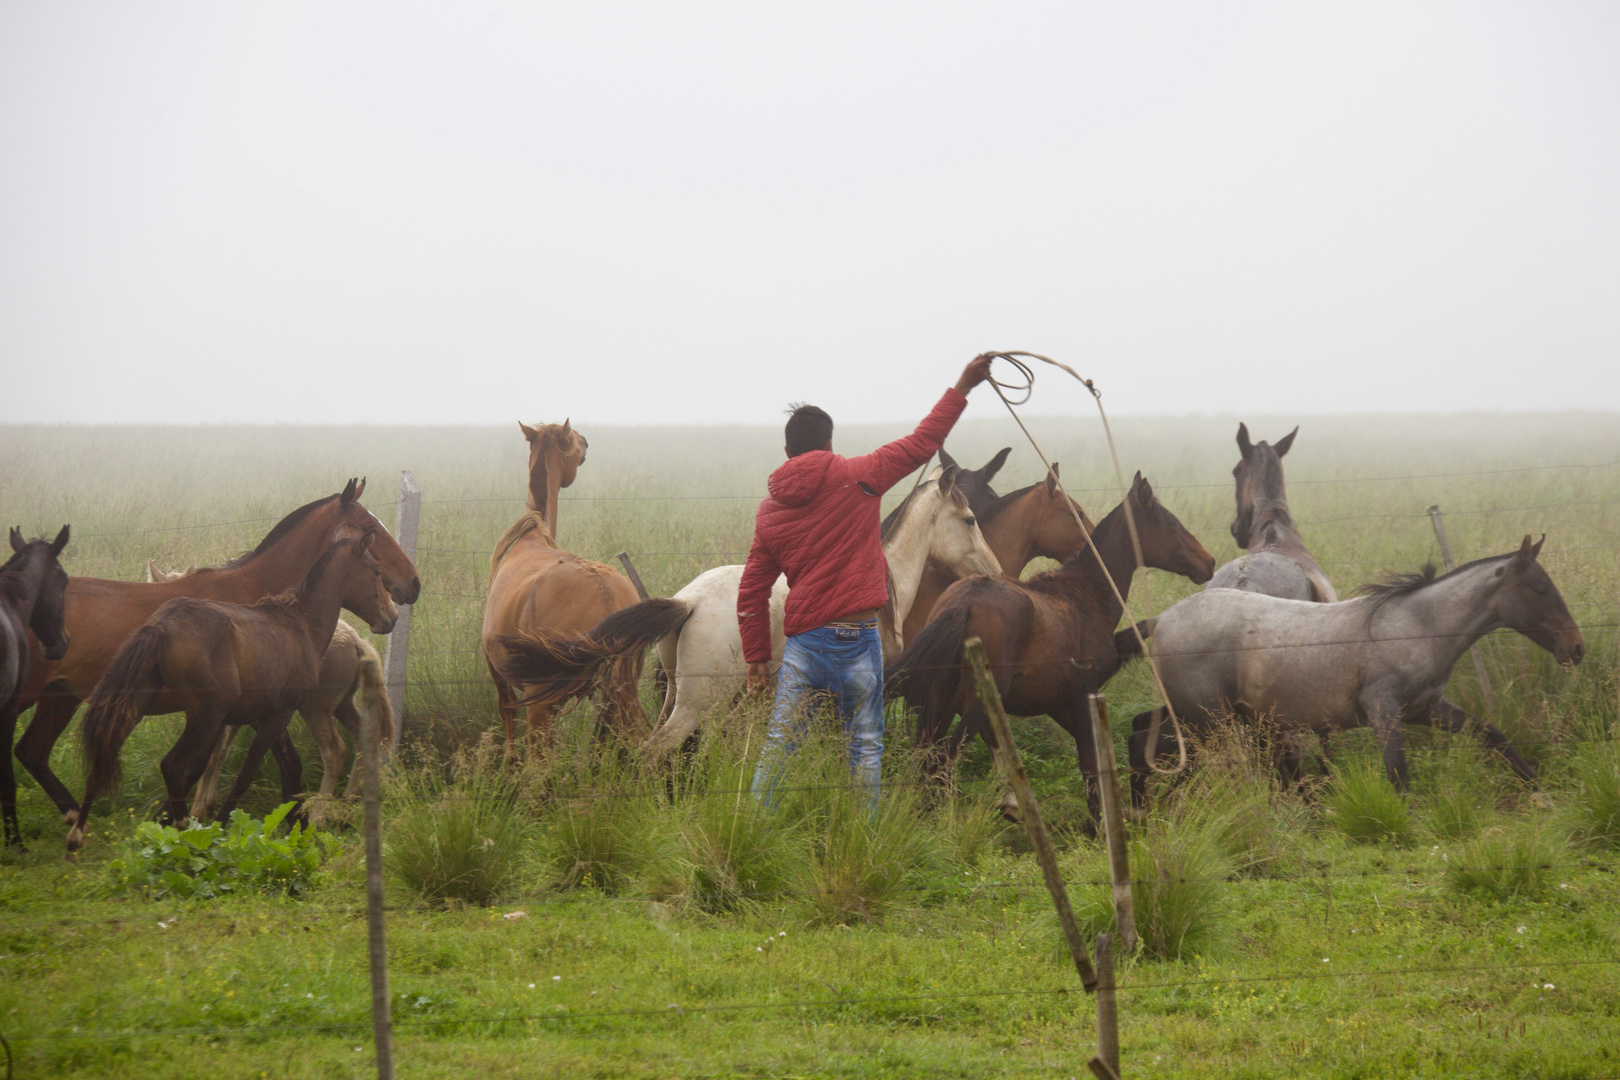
x,y
1105,1065
1007,751
382,1021
399,642
1119,861
1473,650
630,572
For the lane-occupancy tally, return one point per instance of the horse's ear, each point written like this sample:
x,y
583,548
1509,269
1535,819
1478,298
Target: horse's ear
x,y
947,478
1052,480
1535,552
361,489
16,539
1244,445
528,432
567,426
1143,490
367,538
1526,553
151,571
348,492
944,458
988,473
1282,445
936,472
61,542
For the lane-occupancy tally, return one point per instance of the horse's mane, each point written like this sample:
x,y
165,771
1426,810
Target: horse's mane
x,y
1395,585
529,522
274,536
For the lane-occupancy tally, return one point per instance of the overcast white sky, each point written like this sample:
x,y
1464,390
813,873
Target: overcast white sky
x,y
682,212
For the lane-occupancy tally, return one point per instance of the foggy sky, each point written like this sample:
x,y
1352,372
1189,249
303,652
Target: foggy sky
x,y
644,213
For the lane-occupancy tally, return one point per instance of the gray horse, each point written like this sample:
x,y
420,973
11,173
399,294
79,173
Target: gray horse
x,y
1380,659
1277,563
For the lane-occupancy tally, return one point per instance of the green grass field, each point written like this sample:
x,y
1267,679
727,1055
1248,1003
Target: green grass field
x,y
809,945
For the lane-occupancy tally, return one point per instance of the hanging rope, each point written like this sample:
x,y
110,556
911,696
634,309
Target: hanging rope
x,y
1016,359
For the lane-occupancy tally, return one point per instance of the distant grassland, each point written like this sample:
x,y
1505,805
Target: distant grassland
x,y
681,500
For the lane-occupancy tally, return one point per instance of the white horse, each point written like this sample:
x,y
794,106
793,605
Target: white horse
x,y
699,643
351,681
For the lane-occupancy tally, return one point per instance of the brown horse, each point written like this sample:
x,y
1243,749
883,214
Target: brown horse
x,y
32,597
1050,640
103,614
224,664
536,587
1030,523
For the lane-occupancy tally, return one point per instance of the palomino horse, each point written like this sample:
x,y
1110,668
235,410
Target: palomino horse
x,y
103,614
696,629
351,683
1030,523
1050,640
537,588
1381,659
32,588
228,664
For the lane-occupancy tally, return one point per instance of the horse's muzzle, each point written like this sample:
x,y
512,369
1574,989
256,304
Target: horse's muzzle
x,y
1570,655
406,594
384,626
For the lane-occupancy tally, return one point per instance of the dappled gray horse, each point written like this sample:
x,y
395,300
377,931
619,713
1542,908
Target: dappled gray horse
x,y
1380,659
1277,562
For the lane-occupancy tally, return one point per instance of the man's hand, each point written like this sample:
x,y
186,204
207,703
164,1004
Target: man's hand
x,y
759,677
974,374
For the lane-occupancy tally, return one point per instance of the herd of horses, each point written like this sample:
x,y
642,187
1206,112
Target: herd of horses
x,y
253,641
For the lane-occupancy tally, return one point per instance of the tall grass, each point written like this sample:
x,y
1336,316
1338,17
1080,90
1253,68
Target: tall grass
x,y
1593,795
1511,862
1364,805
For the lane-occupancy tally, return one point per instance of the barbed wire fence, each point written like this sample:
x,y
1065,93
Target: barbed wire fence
x,y
408,512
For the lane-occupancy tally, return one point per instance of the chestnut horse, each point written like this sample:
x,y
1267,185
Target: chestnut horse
x,y
32,584
1050,640
103,614
537,588
1030,523
224,664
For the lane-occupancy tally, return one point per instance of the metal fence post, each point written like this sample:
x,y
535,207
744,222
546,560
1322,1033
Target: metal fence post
x,y
1473,650
399,642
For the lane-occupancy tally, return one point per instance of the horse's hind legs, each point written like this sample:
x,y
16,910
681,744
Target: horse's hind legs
x,y
8,781
292,772
183,766
265,736
202,802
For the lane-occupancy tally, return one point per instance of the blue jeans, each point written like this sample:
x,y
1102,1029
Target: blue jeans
x,y
817,665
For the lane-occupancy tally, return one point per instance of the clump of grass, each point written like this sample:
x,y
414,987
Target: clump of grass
x,y
1505,864
968,825
1234,794
1364,806
459,834
1593,813
735,851
603,831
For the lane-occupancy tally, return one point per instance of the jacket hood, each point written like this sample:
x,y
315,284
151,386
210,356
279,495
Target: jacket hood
x,y
799,480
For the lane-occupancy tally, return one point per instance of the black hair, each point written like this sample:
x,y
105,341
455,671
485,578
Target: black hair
x,y
808,428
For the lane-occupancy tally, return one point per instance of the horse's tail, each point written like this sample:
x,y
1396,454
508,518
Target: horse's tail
x,y
370,692
563,666
1128,642
929,672
117,705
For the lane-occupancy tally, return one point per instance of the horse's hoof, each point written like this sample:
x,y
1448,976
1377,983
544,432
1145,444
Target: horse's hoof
x,y
75,841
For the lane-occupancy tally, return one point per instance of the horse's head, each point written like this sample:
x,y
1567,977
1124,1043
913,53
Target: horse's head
x,y
1056,535
1529,602
1166,542
1259,478
155,574
975,483
555,448
364,590
49,618
954,539
398,572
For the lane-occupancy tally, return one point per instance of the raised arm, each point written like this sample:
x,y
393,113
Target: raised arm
x,y
885,466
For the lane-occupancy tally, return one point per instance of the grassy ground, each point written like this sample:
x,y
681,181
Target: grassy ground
x,y
957,974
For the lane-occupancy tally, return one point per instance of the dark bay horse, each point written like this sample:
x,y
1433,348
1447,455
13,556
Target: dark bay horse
x,y
1050,640
1381,659
1277,563
225,664
32,586
103,614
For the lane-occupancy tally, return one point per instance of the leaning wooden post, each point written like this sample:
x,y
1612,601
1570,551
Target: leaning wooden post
x,y
1007,751
630,572
1119,861
382,1021
1106,1064
1473,650
399,642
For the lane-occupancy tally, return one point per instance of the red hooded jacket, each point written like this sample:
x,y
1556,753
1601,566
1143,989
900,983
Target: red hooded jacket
x,y
820,527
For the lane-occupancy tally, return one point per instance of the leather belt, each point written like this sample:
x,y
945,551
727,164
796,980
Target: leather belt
x,y
860,619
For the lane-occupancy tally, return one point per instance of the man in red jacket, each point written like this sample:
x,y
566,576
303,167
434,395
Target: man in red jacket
x,y
820,527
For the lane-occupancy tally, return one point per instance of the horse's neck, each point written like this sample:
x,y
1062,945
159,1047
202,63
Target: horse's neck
x,y
1112,539
320,604
1011,536
544,483
1451,614
282,566
906,549
21,585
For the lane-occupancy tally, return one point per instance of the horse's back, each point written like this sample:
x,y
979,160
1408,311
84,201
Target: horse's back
x,y
711,640
1264,572
546,588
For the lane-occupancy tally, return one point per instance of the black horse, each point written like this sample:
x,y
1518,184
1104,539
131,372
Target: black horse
x,y
32,584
